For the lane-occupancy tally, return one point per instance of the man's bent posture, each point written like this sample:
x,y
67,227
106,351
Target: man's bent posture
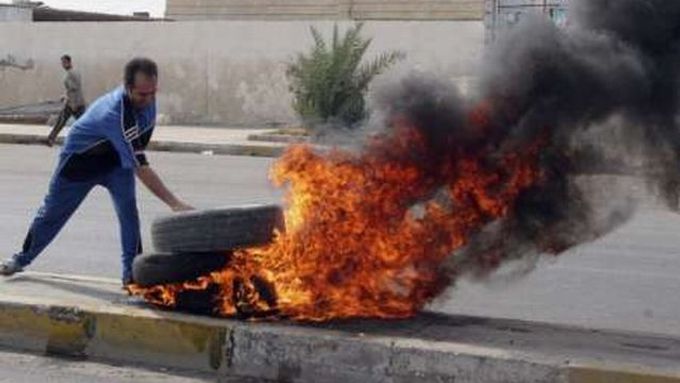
x,y
104,147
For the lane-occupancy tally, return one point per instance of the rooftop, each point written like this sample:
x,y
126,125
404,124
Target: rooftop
x,y
43,13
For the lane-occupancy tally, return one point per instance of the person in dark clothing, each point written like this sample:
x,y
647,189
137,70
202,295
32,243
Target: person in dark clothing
x,y
74,101
105,147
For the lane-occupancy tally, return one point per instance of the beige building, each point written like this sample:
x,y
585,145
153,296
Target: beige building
x,y
325,9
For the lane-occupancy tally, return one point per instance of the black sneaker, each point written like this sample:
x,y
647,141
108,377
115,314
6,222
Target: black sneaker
x,y
10,267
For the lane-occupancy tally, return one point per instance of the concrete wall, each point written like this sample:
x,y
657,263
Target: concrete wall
x,y
212,72
327,9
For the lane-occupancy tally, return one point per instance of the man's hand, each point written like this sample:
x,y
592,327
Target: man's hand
x,y
181,206
158,188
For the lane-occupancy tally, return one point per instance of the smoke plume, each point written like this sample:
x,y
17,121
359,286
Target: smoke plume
x,y
615,67
461,185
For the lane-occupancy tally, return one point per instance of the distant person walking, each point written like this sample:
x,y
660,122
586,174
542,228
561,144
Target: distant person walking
x,y
74,102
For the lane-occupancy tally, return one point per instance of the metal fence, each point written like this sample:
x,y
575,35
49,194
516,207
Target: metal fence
x,y
502,15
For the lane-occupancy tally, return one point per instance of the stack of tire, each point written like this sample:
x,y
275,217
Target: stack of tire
x,y
192,244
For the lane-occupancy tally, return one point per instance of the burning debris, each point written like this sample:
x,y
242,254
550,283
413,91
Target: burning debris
x,y
454,187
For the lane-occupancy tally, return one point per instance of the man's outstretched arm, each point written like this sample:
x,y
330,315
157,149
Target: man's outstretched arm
x,y
154,183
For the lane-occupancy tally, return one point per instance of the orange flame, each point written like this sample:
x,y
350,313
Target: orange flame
x,y
368,234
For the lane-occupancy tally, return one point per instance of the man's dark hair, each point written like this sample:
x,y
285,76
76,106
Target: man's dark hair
x,y
139,65
66,57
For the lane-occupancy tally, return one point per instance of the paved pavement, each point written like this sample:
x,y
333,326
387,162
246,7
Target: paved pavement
x,y
627,281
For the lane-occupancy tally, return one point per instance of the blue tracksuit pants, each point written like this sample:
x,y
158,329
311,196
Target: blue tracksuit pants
x,y
64,197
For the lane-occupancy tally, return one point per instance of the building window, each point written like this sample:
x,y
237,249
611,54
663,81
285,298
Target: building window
x,y
558,16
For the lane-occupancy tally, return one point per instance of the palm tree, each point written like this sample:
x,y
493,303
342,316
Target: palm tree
x,y
330,82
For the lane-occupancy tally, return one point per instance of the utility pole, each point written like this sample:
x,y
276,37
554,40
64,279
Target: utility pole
x,y
492,11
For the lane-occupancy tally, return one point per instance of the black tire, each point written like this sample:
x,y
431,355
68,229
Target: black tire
x,y
159,269
217,229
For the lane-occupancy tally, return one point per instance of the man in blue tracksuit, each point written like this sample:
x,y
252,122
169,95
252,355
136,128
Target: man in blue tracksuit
x,y
105,147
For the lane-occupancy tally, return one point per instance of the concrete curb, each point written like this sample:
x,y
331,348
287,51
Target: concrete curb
x,y
279,138
112,336
25,139
358,351
271,146
219,149
166,146
23,119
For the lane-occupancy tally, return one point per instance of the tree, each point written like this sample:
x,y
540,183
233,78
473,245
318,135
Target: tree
x,y
329,83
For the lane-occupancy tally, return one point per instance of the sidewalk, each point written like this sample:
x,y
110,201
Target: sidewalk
x,y
190,139
92,318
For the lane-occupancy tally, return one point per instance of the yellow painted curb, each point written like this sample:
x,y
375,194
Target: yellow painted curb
x,y
618,375
56,331
144,337
122,336
110,331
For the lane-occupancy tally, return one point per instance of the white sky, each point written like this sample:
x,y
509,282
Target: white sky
x,y
125,7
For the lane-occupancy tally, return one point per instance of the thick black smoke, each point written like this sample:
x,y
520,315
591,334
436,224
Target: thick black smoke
x,y
615,66
616,59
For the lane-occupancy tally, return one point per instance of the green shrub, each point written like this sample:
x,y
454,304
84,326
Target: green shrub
x,y
329,83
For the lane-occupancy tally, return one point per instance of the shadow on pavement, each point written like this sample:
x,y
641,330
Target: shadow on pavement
x,y
75,287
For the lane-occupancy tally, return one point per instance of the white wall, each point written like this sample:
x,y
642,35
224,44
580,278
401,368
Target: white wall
x,y
223,72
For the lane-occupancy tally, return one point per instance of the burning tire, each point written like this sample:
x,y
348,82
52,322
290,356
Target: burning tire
x,y
159,269
217,229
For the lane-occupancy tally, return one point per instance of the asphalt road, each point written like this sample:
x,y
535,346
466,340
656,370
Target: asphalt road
x,y
89,244
26,368
629,280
